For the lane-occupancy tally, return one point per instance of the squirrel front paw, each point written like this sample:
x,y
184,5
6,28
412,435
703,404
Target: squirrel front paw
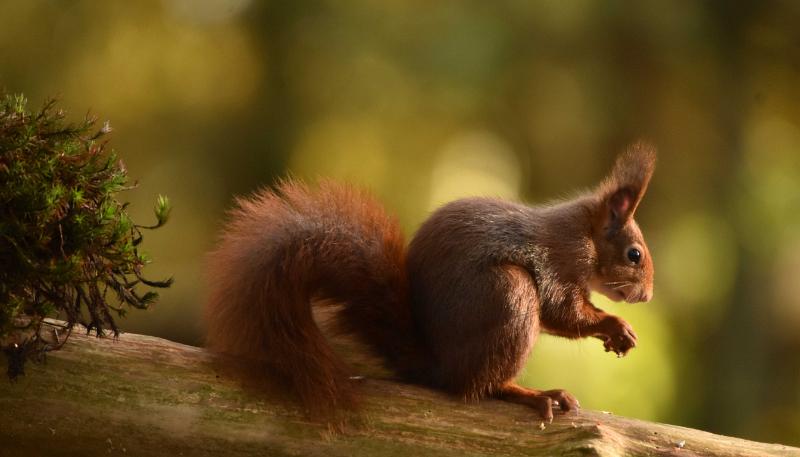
x,y
618,336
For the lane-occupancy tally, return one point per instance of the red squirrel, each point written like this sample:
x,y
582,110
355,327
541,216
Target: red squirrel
x,y
458,309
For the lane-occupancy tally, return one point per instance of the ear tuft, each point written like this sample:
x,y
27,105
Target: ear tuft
x,y
625,186
634,167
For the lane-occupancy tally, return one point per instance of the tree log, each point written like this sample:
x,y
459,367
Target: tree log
x,y
145,396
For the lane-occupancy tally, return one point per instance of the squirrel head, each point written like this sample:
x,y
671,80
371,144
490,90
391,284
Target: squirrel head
x,y
624,268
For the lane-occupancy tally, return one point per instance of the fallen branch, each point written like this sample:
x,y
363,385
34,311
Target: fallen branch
x,y
146,396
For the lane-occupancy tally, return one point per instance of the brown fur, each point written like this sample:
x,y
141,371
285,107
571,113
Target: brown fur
x,y
461,312
283,248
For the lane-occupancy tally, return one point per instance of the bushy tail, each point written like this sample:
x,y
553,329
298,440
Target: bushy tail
x,y
284,247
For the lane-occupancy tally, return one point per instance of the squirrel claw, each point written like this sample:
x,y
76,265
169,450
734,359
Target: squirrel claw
x,y
619,337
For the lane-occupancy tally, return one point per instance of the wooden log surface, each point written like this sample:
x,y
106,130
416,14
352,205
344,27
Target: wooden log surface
x,y
145,396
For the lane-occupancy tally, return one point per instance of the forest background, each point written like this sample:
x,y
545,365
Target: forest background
x,y
424,102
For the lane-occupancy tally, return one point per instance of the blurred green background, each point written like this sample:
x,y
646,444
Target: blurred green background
x,y
424,102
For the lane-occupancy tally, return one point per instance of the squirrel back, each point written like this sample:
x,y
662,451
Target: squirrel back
x,y
285,247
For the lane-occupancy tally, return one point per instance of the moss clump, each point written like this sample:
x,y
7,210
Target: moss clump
x,y
67,246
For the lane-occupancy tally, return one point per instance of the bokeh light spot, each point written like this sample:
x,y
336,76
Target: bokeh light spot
x,y
697,264
474,164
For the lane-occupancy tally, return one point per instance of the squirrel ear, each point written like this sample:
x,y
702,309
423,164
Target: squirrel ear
x,y
625,186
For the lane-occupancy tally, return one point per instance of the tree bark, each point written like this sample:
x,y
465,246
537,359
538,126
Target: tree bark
x,y
145,396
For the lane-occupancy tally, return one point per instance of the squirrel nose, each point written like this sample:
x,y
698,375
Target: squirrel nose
x,y
647,295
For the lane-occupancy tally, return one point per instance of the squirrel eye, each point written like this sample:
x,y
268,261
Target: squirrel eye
x,y
634,255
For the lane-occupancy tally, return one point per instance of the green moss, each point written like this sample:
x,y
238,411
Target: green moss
x,y
67,244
